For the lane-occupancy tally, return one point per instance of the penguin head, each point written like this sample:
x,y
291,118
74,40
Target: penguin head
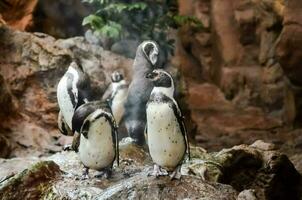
x,y
116,77
76,66
150,50
160,78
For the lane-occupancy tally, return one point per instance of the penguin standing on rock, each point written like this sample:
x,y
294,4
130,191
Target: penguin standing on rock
x,y
73,90
97,143
116,95
139,90
167,136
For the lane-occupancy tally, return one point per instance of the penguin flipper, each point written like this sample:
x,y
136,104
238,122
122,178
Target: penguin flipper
x,y
180,120
85,128
76,142
115,138
63,126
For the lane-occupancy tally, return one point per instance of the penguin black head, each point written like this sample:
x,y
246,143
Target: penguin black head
x,y
76,65
150,50
116,77
160,78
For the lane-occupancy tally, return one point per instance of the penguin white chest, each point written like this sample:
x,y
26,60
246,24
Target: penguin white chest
x,y
64,101
97,152
117,106
166,142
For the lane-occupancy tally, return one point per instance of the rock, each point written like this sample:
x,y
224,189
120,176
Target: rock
x,y
256,167
5,147
126,47
61,19
244,56
91,38
228,45
247,195
18,14
6,99
248,170
288,52
32,183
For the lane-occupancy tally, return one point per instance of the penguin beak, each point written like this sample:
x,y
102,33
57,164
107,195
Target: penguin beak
x,y
151,75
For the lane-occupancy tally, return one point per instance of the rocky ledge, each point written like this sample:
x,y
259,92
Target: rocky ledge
x,y
256,171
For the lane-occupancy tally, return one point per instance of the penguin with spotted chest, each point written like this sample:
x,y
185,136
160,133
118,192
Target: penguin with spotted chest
x,y
97,144
166,131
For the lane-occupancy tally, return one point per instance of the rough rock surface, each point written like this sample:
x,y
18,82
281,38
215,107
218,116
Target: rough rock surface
x,y
237,67
207,176
31,66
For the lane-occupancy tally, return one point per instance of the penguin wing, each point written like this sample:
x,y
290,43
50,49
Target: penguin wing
x,y
84,90
114,133
62,125
180,120
85,128
76,141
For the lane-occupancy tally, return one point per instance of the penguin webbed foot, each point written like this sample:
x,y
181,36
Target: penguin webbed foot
x,y
158,171
85,174
176,174
106,173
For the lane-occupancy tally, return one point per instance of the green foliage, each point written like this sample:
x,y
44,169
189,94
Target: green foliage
x,y
139,20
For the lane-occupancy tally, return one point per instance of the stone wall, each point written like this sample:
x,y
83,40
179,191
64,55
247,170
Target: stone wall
x,y
240,67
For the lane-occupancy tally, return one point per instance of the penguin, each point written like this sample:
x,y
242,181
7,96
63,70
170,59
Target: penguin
x,y
139,91
116,95
97,144
63,127
166,131
72,91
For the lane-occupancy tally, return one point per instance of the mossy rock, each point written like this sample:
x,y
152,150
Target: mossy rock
x,y
32,183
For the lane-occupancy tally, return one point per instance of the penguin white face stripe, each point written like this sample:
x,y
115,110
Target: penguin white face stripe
x,y
74,82
169,91
153,54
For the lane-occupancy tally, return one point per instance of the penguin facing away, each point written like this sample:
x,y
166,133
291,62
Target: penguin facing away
x,y
97,143
116,95
166,131
139,90
72,91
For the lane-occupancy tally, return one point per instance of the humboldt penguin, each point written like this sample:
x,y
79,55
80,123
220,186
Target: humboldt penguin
x,y
139,90
73,90
166,131
97,143
116,95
